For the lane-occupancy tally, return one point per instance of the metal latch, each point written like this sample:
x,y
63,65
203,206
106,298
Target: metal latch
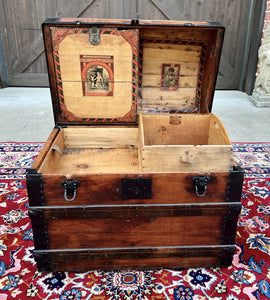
x,y
94,35
137,188
200,184
70,187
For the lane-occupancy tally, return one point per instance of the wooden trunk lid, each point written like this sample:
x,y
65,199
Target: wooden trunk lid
x,y
135,66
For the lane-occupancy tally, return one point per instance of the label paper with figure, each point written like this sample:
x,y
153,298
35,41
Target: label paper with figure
x,y
97,75
170,76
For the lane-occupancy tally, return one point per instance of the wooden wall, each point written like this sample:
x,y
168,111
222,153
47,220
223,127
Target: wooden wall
x,y
20,29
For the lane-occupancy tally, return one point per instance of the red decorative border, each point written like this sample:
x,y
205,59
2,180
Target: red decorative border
x,y
199,76
58,35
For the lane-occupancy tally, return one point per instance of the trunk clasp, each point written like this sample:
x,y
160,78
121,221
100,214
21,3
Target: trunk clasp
x,y
200,185
70,187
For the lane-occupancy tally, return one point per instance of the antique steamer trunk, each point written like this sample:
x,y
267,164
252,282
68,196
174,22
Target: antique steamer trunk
x,y
137,172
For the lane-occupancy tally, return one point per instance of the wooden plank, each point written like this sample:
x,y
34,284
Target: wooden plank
x,y
170,9
151,67
97,9
29,79
98,137
44,151
192,130
53,156
20,64
148,11
116,9
187,158
91,161
130,9
217,132
150,80
104,188
173,53
136,258
179,95
135,231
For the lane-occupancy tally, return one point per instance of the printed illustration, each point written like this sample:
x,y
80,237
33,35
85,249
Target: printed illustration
x,y
170,76
97,75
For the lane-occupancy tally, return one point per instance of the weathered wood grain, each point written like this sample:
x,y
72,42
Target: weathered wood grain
x,y
107,188
137,258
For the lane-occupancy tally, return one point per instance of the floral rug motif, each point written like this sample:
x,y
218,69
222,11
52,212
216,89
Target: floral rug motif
x,y
247,278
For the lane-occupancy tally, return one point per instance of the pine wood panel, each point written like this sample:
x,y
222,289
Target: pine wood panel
x,y
137,232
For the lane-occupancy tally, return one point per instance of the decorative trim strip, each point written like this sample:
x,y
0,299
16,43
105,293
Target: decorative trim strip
x,y
139,210
51,258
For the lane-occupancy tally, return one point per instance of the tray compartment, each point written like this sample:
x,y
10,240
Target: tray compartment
x,y
192,143
92,150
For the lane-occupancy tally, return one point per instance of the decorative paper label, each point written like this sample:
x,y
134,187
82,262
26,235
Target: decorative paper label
x,y
97,75
170,76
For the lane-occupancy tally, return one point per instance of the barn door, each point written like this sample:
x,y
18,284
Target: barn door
x,y
23,50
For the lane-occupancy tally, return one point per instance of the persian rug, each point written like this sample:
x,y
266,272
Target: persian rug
x,y
247,278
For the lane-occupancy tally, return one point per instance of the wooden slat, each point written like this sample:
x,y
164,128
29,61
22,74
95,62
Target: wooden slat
x,y
29,79
137,232
106,161
96,9
192,130
45,149
137,258
105,188
21,63
130,211
96,226
98,137
170,9
187,158
53,156
217,132
117,9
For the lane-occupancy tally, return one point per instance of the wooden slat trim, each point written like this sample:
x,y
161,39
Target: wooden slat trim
x,y
35,188
230,224
39,227
44,151
47,260
137,252
133,211
29,79
235,184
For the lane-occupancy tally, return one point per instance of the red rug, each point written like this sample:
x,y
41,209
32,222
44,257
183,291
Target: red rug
x,y
247,278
